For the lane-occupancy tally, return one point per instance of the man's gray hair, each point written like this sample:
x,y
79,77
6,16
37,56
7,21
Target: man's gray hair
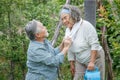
x,y
74,12
31,29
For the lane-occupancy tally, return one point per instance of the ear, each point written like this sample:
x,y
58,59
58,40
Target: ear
x,y
37,35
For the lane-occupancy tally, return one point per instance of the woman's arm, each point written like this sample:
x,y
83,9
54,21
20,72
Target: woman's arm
x,y
92,39
72,67
92,60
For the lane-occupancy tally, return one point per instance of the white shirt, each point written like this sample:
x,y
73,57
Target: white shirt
x,y
85,39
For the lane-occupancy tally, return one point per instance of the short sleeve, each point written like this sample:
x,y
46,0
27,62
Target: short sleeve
x,y
71,56
92,37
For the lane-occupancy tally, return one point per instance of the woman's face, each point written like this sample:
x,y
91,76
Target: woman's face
x,y
67,20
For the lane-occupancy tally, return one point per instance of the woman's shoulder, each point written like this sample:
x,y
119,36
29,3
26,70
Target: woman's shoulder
x,y
88,25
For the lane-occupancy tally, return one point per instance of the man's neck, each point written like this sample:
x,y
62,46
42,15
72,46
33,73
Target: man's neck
x,y
40,40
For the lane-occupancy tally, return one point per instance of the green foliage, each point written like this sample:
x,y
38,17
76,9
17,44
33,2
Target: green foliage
x,y
111,19
14,14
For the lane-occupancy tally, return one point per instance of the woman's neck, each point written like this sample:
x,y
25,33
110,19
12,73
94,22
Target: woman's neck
x,y
71,26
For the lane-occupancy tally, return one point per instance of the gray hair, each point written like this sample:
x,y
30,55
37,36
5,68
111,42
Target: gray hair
x,y
31,29
74,12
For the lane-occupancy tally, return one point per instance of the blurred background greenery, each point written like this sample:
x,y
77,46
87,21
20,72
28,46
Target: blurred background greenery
x,y
14,14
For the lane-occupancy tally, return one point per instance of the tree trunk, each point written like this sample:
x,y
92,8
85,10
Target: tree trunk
x,y
109,73
108,60
90,11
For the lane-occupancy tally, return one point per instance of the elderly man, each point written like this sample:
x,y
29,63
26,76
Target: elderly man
x,y
42,58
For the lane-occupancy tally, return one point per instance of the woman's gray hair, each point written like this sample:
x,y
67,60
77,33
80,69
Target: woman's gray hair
x,y
74,12
31,29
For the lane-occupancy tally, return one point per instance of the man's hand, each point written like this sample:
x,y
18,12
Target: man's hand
x,y
67,42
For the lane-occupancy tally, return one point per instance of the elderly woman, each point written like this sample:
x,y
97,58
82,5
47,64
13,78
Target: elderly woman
x,y
85,50
42,58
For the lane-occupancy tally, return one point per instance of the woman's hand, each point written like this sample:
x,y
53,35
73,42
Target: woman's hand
x,y
91,66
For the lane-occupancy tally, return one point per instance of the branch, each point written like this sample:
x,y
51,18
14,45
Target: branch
x,y
67,2
57,30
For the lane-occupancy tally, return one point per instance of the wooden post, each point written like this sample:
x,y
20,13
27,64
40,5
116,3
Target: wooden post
x,y
90,11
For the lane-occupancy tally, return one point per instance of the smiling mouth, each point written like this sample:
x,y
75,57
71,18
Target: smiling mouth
x,y
66,24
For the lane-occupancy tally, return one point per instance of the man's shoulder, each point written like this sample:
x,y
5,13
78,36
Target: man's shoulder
x,y
47,41
35,45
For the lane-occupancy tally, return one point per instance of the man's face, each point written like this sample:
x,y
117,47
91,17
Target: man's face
x,y
43,31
